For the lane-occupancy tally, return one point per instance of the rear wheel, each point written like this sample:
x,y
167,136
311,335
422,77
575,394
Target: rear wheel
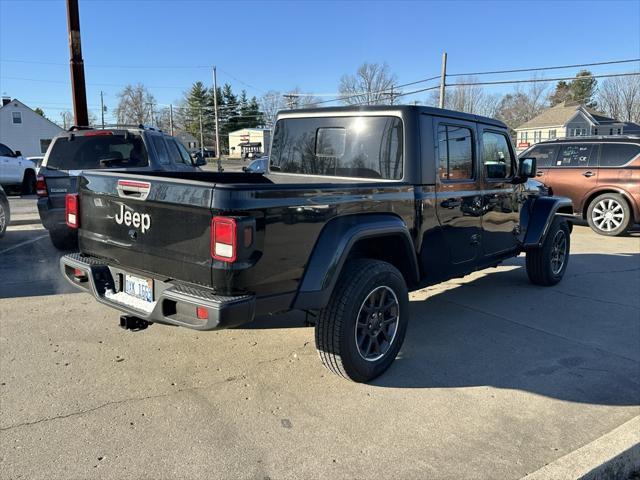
x,y
64,239
546,265
360,331
609,214
29,183
4,217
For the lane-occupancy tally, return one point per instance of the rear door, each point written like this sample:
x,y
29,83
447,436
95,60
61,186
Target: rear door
x,y
574,172
148,223
458,198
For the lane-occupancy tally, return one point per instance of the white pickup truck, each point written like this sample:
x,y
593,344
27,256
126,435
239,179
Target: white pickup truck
x,y
16,171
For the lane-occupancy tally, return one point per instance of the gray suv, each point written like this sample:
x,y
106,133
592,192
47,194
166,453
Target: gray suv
x,y
123,149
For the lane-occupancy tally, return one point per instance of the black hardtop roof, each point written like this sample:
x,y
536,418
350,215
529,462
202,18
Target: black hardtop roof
x,y
404,109
138,129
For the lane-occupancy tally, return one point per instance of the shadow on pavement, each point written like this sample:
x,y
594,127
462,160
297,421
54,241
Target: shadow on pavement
x,y
577,341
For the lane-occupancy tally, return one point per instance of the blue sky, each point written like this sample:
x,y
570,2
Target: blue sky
x,y
281,45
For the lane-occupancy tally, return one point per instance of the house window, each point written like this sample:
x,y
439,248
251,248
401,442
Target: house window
x,y
619,131
577,132
611,131
552,134
524,136
595,131
44,144
16,118
537,136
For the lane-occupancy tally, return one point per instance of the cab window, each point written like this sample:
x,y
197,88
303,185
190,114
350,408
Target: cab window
x,y
161,149
618,154
496,155
455,153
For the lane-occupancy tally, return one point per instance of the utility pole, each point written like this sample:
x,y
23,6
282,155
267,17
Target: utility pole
x,y
290,98
76,64
443,76
171,119
102,108
215,107
391,94
201,135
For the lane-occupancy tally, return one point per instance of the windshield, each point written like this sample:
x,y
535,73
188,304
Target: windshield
x,y
361,147
82,152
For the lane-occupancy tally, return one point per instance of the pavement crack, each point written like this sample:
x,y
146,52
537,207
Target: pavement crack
x,y
584,297
108,404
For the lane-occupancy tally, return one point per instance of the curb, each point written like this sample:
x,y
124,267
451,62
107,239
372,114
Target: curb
x,y
615,455
25,221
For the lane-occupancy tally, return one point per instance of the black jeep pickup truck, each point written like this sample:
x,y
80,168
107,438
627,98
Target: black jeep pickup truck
x,y
359,206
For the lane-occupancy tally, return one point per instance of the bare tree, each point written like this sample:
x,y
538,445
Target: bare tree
x,y
66,119
522,105
135,104
270,104
468,98
371,85
619,98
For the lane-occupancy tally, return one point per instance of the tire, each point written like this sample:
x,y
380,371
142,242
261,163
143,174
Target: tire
x,y
29,183
64,239
344,321
609,214
5,217
543,264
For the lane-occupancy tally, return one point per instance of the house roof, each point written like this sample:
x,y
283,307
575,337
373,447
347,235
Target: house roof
x,y
251,129
631,128
562,113
15,100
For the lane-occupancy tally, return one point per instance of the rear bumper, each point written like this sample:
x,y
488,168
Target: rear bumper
x,y
51,218
175,303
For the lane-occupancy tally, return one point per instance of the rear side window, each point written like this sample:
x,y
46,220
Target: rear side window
x,y
496,155
577,155
617,154
544,155
82,152
176,153
455,153
161,149
359,147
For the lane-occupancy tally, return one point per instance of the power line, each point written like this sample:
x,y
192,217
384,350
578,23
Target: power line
x,y
502,82
537,69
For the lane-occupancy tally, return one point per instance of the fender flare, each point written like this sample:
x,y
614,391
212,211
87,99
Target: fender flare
x,y
542,212
333,246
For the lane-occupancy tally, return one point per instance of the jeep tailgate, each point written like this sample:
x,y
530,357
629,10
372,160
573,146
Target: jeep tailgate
x,y
152,224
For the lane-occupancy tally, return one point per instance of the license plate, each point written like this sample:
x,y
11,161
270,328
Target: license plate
x,y
141,288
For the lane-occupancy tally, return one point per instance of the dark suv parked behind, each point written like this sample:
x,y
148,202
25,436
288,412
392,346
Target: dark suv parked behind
x,y
139,148
601,175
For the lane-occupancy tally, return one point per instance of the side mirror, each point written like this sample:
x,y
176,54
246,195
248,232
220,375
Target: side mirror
x,y
527,167
18,153
200,161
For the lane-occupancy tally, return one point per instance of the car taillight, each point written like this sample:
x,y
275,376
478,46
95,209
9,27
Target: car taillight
x,y
72,210
41,186
224,235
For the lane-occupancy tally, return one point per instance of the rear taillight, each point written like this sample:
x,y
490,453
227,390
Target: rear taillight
x,y
224,236
41,186
71,210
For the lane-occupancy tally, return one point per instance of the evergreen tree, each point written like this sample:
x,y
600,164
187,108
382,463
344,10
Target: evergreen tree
x,y
197,103
581,89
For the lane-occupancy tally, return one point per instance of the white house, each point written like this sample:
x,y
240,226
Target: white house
x,y
567,119
23,129
247,139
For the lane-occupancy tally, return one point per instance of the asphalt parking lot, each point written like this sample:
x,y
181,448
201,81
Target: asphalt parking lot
x,y
497,378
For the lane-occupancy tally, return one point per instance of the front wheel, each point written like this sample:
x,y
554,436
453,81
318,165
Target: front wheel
x,y
360,331
4,217
609,214
546,265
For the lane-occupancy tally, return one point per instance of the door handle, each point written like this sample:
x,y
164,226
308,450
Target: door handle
x,y
539,173
588,174
451,203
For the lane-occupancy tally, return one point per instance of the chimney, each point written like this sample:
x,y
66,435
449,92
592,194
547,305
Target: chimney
x,y
6,101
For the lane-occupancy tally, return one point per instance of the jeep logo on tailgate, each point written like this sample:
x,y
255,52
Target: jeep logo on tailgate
x,y
133,218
